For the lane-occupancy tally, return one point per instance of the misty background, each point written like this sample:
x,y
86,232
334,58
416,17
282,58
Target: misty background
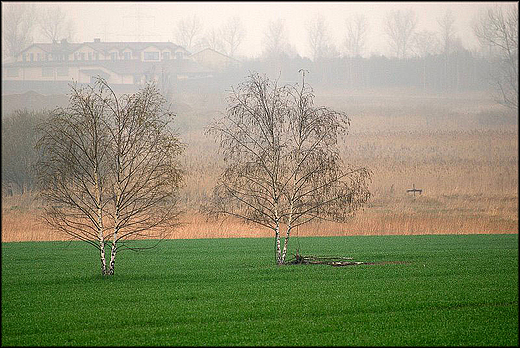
x,y
418,85
157,21
426,47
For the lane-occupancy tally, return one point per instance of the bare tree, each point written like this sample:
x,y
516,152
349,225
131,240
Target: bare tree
x,y
497,28
17,27
212,40
107,169
275,40
283,165
400,27
447,32
19,135
231,34
424,43
319,38
356,35
54,24
188,32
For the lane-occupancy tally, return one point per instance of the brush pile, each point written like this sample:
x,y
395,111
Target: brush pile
x,y
336,261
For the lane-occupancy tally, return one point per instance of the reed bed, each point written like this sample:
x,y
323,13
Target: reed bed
x,y
462,153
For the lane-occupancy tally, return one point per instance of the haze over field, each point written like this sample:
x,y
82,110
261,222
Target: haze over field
x,y
439,113
149,21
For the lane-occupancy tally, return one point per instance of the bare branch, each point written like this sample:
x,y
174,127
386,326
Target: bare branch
x,y
108,168
283,166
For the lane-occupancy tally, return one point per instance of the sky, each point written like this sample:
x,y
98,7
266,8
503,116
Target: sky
x,y
117,21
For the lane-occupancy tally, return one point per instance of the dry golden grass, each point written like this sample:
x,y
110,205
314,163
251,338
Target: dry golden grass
x,y
464,160
26,226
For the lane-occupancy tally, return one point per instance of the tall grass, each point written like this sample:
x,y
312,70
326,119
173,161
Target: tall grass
x,y
462,152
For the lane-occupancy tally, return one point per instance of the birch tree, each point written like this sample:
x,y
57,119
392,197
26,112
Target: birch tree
x,y
283,166
108,169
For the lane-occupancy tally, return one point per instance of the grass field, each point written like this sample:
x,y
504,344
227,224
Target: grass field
x,y
429,290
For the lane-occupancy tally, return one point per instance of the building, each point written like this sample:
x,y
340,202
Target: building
x,y
51,67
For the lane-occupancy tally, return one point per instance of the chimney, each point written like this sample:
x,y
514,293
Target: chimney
x,y
97,39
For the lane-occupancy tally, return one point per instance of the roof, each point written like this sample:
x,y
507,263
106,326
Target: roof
x,y
215,52
68,47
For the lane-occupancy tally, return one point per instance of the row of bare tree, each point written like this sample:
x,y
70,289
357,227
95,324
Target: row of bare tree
x,y
20,20
107,168
400,27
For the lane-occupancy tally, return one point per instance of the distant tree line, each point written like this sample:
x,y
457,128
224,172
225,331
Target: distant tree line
x,y
19,135
458,72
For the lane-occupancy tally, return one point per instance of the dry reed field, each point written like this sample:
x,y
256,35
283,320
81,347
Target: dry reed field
x,y
463,154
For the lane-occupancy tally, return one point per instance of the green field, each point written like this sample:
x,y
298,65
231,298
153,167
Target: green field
x,y
447,290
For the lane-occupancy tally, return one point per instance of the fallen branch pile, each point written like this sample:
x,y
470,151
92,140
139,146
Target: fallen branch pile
x,y
323,260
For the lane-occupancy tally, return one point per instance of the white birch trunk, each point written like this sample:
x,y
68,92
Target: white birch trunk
x,y
102,254
287,235
289,223
113,251
285,242
278,246
112,257
101,237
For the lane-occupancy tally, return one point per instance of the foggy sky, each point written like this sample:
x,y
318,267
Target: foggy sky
x,y
116,21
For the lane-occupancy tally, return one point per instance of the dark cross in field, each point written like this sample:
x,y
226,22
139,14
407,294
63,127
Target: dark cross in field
x,y
414,190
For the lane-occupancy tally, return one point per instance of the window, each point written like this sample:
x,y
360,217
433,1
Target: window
x,y
113,55
126,55
47,72
96,56
151,55
76,56
89,57
62,71
32,57
38,57
11,72
178,55
82,56
166,55
24,57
